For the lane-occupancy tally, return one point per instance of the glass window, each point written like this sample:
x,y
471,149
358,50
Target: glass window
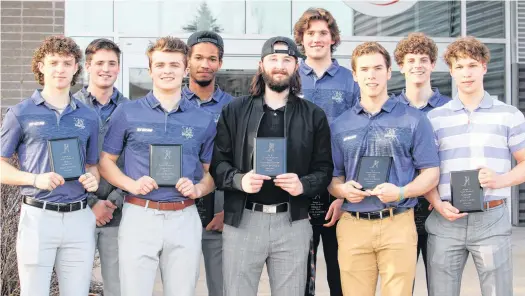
x,y
494,81
79,17
434,18
156,18
486,19
441,80
339,10
139,83
269,17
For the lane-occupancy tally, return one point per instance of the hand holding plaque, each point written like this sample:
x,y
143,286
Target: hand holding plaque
x,y
373,171
65,158
270,156
165,166
467,194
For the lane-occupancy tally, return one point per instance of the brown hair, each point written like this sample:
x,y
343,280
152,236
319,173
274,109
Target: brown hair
x,y
168,44
99,44
60,45
370,48
316,14
258,85
416,43
467,47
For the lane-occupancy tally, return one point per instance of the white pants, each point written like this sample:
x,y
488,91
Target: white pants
x,y
64,240
149,237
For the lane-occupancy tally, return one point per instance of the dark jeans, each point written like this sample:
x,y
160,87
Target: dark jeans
x,y
333,276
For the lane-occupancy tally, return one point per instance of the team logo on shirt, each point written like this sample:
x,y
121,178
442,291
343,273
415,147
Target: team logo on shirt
x,y
337,96
79,122
187,132
391,133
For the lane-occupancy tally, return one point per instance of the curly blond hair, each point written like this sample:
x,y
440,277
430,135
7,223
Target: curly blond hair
x,y
312,14
60,45
416,43
467,47
370,47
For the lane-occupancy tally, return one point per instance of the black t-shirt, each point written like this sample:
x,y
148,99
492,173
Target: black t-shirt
x,y
272,125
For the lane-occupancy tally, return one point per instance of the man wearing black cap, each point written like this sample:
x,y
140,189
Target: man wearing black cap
x,y
266,219
204,60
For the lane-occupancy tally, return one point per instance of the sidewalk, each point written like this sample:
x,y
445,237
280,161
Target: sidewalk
x,y
469,287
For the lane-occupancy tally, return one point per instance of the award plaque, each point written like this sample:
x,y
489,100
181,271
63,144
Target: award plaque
x,y
467,194
165,164
319,206
421,213
373,170
65,158
206,208
270,156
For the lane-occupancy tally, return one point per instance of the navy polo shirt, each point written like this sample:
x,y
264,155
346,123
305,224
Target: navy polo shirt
x,y
214,105
139,123
397,130
26,129
335,92
436,100
104,111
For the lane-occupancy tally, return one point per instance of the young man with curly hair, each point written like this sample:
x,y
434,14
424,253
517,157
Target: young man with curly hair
x,y
474,132
416,56
331,87
377,234
56,225
160,225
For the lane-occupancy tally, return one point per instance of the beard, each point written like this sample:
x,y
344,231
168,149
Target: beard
x,y
202,83
277,85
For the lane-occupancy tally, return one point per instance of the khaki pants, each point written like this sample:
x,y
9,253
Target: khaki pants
x,y
370,247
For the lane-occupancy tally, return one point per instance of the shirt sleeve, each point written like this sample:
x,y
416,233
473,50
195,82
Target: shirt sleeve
x,y
516,136
117,132
207,145
11,134
424,149
92,144
337,156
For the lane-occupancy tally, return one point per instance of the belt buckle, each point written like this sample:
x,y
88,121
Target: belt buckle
x,y
269,209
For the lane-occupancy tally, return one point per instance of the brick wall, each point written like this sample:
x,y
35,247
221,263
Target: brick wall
x,y
24,25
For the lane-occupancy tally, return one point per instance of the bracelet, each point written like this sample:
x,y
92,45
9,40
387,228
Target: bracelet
x,y
401,194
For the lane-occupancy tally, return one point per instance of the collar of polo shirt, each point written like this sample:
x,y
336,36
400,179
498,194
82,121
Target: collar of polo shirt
x,y
486,103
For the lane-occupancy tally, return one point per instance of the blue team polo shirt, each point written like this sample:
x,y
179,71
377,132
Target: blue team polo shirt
x,y
397,130
214,105
139,123
31,123
335,92
436,100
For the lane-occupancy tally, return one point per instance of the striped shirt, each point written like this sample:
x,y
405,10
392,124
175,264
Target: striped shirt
x,y
485,137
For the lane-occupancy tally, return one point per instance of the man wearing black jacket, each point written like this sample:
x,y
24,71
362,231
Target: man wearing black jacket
x,y
266,220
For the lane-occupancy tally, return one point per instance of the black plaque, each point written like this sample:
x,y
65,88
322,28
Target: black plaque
x,y
467,194
373,170
421,213
165,164
206,208
319,206
270,156
65,158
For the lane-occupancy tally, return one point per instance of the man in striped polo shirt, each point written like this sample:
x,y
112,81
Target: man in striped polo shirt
x,y
474,131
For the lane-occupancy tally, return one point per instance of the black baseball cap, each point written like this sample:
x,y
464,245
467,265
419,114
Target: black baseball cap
x,y
206,36
268,47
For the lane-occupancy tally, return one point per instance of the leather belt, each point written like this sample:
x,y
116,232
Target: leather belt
x,y
161,206
57,207
269,209
379,214
493,203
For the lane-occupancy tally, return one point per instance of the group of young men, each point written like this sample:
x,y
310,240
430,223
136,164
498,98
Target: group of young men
x,y
328,116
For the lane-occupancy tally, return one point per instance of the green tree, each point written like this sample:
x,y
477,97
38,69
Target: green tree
x,y
204,20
